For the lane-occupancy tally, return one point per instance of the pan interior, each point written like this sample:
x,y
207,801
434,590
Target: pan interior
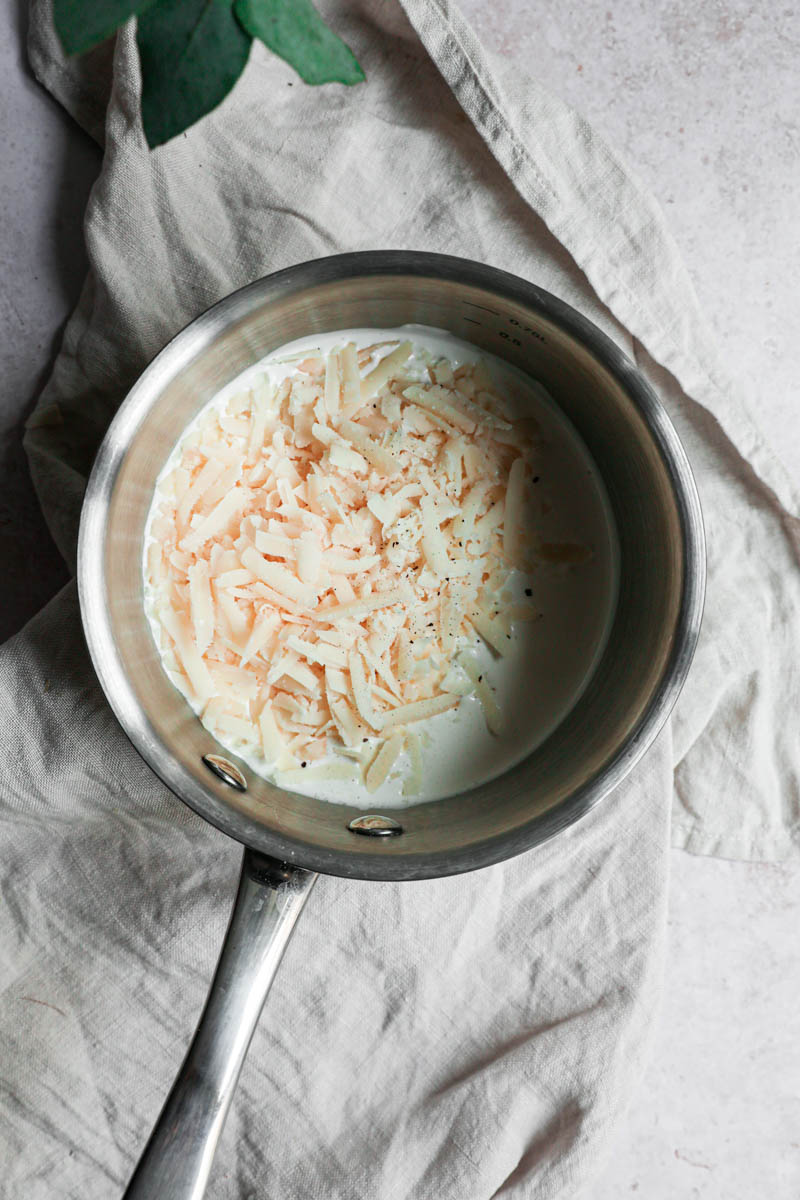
x,y
603,401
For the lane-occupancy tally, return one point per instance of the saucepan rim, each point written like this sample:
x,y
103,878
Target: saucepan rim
x,y
133,717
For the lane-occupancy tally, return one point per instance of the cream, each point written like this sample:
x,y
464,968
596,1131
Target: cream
x,y
550,659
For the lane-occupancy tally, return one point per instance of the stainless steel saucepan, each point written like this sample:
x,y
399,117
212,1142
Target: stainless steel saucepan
x,y
288,837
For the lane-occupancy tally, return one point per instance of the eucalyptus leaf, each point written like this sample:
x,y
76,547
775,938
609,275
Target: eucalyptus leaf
x,y
294,30
82,24
192,52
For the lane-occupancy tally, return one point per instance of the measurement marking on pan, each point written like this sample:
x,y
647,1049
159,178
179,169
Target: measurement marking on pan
x,y
526,329
519,327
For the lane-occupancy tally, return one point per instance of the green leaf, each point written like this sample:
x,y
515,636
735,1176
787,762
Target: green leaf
x,y
294,30
82,24
192,52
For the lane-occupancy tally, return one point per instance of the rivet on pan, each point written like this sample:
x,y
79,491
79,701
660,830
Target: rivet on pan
x,y
226,771
372,825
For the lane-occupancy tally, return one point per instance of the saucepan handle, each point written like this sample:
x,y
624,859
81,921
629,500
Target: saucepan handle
x,y
177,1160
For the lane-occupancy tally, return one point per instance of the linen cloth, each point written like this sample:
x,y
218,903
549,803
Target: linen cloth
x,y
474,1037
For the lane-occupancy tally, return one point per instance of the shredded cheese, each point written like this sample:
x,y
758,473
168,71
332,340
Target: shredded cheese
x,y
326,552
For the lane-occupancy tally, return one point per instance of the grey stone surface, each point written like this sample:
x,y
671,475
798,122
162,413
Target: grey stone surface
x,y
717,1116
703,100
48,167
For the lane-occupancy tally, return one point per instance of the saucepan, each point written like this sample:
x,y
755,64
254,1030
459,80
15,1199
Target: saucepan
x,y
288,838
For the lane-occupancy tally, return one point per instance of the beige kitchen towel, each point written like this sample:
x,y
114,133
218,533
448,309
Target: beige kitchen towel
x,y
475,1037
470,1037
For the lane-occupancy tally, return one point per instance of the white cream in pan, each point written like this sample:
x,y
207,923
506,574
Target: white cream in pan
x,y
552,590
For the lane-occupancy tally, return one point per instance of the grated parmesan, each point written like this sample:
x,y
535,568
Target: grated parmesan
x,y
326,552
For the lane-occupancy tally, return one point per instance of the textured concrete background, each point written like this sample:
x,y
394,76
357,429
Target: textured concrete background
x,y
703,99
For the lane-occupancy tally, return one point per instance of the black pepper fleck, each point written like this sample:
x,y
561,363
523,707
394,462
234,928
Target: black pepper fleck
x,y
303,764
536,478
528,592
